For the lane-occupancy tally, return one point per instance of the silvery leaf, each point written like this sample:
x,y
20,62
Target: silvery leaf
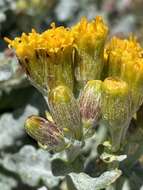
x,y
85,182
7,183
32,166
12,128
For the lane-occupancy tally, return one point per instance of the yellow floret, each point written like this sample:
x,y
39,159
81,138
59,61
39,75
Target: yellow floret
x,y
120,52
46,57
95,28
52,41
125,61
89,40
90,32
118,46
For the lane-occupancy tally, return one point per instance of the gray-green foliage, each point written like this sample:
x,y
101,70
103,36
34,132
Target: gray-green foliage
x,y
84,182
31,165
11,126
42,188
7,183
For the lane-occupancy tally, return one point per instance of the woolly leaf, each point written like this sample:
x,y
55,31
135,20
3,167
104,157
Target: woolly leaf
x,y
32,166
85,182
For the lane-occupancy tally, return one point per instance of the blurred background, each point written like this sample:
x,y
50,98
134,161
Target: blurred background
x,y
22,166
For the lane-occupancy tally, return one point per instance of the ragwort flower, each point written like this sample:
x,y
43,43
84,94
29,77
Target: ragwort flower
x,y
89,47
66,62
125,61
46,57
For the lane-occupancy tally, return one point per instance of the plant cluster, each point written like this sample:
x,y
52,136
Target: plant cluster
x,y
89,83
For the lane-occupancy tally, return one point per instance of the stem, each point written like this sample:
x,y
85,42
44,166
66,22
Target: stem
x,y
118,134
125,129
74,150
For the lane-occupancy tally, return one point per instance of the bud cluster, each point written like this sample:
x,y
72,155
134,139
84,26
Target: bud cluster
x,y
68,65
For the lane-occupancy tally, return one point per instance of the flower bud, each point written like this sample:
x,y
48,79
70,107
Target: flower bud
x,y
45,132
116,109
65,111
89,47
46,58
89,102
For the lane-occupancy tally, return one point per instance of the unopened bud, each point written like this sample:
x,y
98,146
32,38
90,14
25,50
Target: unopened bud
x,y
65,111
45,133
116,108
89,101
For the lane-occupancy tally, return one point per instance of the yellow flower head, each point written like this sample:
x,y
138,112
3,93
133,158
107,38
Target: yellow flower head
x,y
118,49
124,59
52,41
89,47
43,56
118,44
91,33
